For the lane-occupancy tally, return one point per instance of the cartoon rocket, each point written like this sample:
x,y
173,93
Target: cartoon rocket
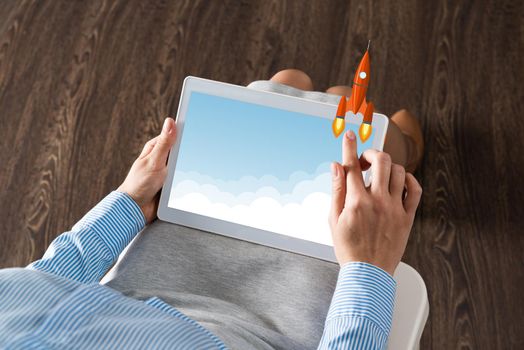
x,y
357,102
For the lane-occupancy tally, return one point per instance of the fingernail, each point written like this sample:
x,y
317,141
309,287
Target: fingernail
x,y
350,135
334,170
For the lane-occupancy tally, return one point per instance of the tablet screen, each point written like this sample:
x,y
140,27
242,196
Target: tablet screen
x,y
257,166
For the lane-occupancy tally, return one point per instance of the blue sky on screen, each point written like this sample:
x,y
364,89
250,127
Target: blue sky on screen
x,y
228,139
257,166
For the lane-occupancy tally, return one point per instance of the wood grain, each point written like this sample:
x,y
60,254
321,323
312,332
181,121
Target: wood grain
x,y
84,84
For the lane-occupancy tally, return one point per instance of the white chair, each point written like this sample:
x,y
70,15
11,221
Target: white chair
x,y
411,309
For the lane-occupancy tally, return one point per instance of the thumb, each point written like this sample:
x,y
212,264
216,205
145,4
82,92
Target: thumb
x,y
164,142
338,192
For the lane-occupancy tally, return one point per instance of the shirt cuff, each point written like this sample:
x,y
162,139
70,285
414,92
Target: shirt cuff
x,y
366,291
116,220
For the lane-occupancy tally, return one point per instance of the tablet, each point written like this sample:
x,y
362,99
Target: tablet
x,y
255,166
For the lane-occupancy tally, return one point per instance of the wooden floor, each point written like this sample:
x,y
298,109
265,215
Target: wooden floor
x,y
84,84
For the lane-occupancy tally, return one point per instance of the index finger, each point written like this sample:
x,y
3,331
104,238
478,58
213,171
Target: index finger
x,y
350,162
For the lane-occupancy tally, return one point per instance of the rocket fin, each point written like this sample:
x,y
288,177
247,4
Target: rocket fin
x,y
341,110
368,112
363,107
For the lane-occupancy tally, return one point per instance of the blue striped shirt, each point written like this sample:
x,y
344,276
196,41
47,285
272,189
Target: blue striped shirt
x,y
57,302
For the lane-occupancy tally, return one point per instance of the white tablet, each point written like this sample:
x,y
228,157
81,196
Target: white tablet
x,y
255,166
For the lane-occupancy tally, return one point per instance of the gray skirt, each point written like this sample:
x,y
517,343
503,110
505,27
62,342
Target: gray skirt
x,y
250,296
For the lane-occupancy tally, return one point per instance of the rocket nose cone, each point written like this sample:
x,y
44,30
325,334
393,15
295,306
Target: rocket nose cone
x,y
363,71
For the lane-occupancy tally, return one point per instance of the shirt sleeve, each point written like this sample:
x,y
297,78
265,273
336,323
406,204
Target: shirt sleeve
x,y
361,310
86,252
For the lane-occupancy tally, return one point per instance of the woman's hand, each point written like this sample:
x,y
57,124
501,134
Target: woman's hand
x,y
371,224
148,172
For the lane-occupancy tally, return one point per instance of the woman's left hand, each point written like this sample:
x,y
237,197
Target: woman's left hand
x,y
148,172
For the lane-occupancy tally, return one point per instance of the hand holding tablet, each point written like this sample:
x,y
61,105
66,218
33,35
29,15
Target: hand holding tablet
x,y
148,172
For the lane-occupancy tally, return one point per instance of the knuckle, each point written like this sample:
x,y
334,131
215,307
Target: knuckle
x,y
399,169
356,198
370,152
383,158
139,163
354,206
377,208
337,186
351,164
150,143
379,205
152,162
415,185
358,203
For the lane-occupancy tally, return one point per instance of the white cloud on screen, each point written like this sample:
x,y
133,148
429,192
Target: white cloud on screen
x,y
305,220
301,211
240,191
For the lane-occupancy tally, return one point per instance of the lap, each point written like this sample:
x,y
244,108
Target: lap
x,y
198,272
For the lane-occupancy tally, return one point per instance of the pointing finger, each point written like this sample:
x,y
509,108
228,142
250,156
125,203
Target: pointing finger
x,y
351,164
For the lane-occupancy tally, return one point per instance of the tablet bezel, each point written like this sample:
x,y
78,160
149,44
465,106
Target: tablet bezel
x,y
270,99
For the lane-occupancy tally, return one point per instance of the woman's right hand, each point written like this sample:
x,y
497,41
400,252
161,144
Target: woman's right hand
x,y
371,224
